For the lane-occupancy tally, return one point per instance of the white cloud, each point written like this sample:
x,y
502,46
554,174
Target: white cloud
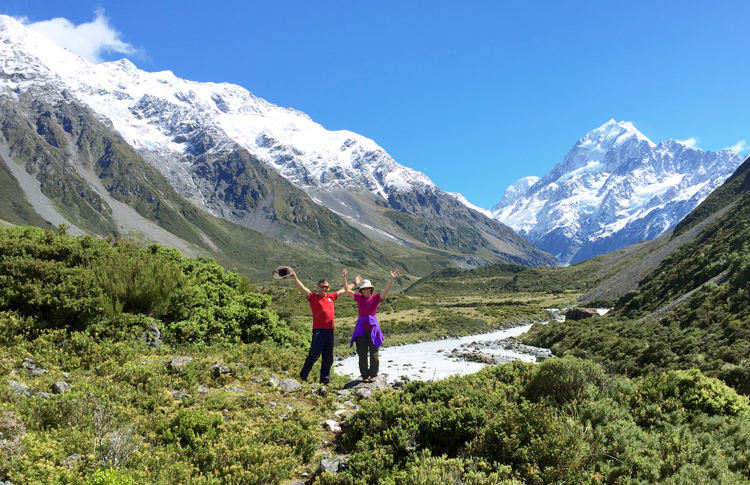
x,y
690,142
89,40
739,147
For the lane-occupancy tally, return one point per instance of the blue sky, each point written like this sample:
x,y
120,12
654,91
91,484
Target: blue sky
x,y
475,94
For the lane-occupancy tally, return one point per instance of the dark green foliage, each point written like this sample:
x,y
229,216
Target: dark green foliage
x,y
50,281
516,422
137,281
565,380
194,429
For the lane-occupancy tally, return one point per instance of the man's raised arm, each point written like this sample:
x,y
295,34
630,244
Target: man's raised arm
x,y
301,287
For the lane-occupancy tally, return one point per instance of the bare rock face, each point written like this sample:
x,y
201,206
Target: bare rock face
x,y
580,313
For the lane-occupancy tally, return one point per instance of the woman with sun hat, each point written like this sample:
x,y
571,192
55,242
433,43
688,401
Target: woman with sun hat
x,y
367,334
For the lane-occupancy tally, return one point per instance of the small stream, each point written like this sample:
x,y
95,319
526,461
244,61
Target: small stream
x,y
442,358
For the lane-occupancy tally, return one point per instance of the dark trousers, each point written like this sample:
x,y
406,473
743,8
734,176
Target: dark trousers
x,y
365,347
322,343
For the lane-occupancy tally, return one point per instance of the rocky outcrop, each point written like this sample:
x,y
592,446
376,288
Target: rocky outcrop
x,y
581,313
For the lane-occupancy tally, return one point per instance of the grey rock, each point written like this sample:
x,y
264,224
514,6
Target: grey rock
x,y
178,363
333,425
290,385
362,393
256,380
70,461
60,387
44,395
334,465
580,313
273,381
32,368
19,389
322,392
152,336
235,389
202,389
179,395
218,370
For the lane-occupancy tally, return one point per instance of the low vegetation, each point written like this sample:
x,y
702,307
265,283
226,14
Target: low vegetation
x,y
83,310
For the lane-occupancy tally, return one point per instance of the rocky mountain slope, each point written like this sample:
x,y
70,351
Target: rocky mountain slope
x,y
613,189
233,155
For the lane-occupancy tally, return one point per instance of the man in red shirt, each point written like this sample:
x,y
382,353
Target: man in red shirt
x,y
321,304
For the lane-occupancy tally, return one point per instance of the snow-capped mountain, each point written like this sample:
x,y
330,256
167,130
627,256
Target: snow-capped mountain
x,y
614,188
214,143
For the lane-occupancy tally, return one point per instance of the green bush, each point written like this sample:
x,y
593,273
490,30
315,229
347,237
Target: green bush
x,y
137,280
567,379
109,477
692,391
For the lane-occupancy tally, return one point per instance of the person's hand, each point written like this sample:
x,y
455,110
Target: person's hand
x,y
357,279
290,272
394,273
343,272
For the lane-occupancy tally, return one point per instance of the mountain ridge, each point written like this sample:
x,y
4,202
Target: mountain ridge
x,y
270,177
614,188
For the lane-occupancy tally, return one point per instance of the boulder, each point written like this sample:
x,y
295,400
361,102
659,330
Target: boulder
x,y
60,387
362,393
19,389
333,425
218,370
71,461
32,368
178,363
179,395
152,336
580,313
273,381
334,465
290,385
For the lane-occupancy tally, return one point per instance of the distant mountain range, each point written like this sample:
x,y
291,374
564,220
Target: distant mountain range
x,y
111,149
613,189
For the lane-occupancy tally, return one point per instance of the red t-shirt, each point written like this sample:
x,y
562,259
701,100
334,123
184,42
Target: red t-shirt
x,y
322,309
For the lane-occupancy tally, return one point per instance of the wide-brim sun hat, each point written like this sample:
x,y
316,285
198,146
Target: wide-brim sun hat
x,y
282,272
365,284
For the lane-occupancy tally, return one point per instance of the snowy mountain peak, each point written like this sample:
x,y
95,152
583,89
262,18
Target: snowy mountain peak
x,y
611,135
165,115
614,188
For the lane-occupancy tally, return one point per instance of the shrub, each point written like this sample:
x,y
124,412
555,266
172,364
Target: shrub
x,y
136,280
567,379
693,391
109,477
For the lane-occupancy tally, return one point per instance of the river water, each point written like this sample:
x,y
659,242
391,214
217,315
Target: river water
x,y
432,360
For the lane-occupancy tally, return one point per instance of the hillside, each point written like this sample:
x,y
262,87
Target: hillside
x,y
691,311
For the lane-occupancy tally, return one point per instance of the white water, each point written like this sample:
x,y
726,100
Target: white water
x,y
431,360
